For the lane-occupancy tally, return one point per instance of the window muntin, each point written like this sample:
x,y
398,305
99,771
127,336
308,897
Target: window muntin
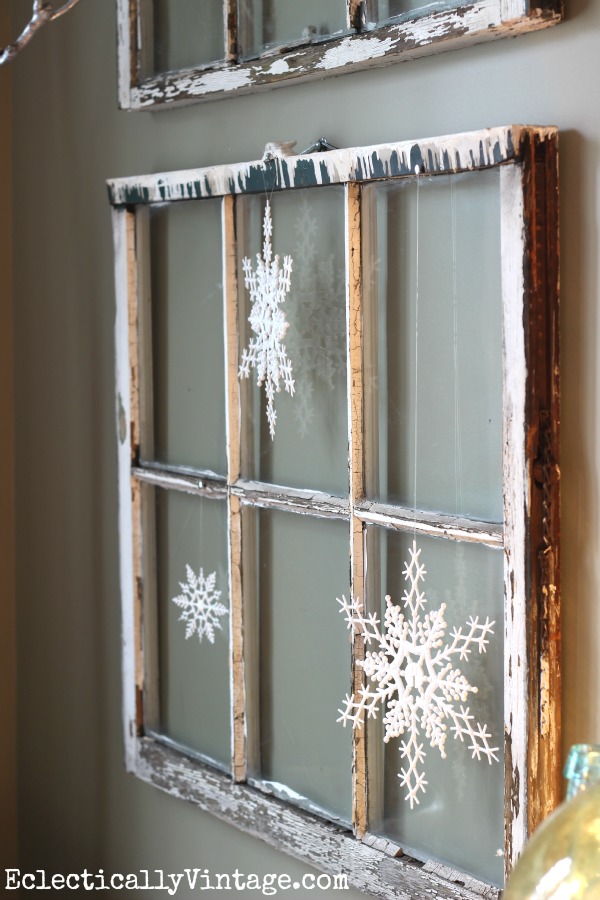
x,y
167,54
525,288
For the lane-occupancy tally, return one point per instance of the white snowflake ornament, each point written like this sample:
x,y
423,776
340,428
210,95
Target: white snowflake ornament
x,y
268,286
199,604
413,676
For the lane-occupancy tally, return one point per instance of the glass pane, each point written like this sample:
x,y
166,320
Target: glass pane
x,y
459,817
381,11
433,339
304,660
310,444
181,34
188,335
271,23
193,622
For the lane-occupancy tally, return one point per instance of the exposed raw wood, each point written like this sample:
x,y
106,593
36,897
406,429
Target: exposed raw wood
x,y
134,431
423,522
444,29
230,9
354,337
298,833
132,297
231,339
532,611
540,181
239,730
354,318
353,12
445,154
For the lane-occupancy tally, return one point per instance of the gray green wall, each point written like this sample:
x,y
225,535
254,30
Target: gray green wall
x,y
77,806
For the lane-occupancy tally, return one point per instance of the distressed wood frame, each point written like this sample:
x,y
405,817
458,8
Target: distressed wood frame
x,y
527,158
409,37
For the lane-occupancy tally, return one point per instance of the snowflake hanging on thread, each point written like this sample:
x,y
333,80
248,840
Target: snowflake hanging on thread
x,y
199,602
413,676
268,286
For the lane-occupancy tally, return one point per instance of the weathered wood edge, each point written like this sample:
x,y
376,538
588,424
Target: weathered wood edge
x,y
234,513
438,155
230,293
230,29
270,496
442,30
123,418
293,831
370,512
540,180
189,484
355,393
435,524
135,413
238,684
512,233
126,77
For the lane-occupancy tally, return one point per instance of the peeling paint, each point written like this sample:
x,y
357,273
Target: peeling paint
x,y
279,67
415,36
455,153
350,51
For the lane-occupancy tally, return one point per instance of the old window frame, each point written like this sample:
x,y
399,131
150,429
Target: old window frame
x,y
408,37
527,158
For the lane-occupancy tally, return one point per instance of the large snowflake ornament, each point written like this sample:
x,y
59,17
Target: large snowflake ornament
x,y
268,286
413,675
199,604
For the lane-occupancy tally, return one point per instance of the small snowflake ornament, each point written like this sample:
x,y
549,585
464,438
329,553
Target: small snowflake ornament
x,y
199,604
268,286
413,675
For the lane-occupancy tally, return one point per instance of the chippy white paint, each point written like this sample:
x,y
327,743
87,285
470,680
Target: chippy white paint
x,y
296,832
516,499
350,51
433,31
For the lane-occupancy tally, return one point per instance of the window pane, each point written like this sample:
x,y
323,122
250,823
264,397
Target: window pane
x,y
439,372
194,673
181,34
381,11
459,818
310,444
188,336
304,660
270,23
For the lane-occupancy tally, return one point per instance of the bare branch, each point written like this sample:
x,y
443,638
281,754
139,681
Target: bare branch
x,y
41,13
